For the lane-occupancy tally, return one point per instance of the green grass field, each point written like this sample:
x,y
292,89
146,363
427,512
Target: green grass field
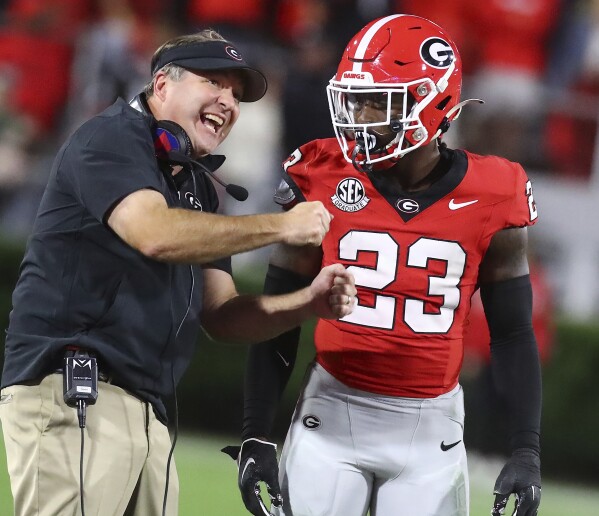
x,y
209,484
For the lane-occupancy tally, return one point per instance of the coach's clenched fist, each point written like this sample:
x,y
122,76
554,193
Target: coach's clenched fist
x,y
307,224
334,292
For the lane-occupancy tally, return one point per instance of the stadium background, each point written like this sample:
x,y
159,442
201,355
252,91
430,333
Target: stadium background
x,y
534,62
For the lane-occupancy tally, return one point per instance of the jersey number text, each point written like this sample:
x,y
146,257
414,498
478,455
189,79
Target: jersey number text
x,y
382,314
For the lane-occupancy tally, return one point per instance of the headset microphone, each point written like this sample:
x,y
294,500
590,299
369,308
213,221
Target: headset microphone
x,y
238,193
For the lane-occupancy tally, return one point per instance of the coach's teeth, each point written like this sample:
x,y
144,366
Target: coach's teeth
x,y
216,119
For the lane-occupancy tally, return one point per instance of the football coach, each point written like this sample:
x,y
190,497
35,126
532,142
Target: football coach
x,y
126,261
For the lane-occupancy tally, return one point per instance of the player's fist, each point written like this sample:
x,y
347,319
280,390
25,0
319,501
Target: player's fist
x,y
521,476
306,224
333,292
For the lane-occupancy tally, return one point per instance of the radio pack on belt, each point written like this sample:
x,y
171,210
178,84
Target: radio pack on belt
x,y
80,378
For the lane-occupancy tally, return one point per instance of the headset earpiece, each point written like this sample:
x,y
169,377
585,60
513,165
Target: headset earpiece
x,y
170,137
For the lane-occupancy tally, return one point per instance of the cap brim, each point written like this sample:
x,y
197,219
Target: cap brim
x,y
254,82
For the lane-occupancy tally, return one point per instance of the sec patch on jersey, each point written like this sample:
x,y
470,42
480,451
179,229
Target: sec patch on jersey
x,y
350,195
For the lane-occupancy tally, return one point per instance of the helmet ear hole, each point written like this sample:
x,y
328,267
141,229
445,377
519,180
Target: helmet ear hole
x,y
441,105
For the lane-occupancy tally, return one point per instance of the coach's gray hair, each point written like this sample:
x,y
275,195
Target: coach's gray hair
x,y
174,71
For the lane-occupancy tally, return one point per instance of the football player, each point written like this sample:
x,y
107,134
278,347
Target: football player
x,y
379,423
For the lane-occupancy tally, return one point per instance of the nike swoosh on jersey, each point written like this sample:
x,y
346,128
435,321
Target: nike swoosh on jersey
x,y
247,463
457,205
445,447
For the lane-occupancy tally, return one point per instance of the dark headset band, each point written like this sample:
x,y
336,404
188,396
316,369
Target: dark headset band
x,y
211,56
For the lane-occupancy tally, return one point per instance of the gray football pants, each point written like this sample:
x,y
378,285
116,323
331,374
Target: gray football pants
x,y
348,452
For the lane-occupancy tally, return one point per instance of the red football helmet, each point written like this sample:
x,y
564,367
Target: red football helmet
x,y
408,72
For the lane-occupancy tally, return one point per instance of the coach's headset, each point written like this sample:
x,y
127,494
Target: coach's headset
x,y
171,142
173,145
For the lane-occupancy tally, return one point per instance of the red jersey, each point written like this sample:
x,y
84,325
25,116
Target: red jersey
x,y
415,257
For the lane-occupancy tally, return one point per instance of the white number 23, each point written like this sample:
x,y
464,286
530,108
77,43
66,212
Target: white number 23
x,y
382,313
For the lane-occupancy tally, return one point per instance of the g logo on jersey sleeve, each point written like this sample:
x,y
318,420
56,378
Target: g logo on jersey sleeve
x,y
350,195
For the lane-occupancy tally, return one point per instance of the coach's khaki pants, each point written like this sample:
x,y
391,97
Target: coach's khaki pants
x,y
124,461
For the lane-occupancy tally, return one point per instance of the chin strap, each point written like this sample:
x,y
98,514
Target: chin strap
x,y
360,166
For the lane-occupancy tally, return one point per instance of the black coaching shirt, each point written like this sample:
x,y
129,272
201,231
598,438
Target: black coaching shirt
x,y
81,285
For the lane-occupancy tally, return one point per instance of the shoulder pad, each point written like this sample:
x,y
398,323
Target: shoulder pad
x,y
284,195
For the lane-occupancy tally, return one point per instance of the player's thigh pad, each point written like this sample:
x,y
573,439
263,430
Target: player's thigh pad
x,y
318,474
434,481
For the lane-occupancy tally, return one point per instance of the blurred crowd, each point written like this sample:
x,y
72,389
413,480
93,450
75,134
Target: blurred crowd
x,y
535,63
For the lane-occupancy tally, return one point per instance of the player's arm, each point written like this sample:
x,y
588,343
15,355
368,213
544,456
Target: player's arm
x,y
269,366
270,363
144,220
506,294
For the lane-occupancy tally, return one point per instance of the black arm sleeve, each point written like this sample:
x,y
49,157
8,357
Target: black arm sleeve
x,y
269,364
514,357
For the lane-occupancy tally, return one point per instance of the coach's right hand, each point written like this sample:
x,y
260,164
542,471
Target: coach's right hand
x,y
307,224
257,462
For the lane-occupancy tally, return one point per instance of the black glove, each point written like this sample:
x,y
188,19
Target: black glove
x,y
521,475
257,462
